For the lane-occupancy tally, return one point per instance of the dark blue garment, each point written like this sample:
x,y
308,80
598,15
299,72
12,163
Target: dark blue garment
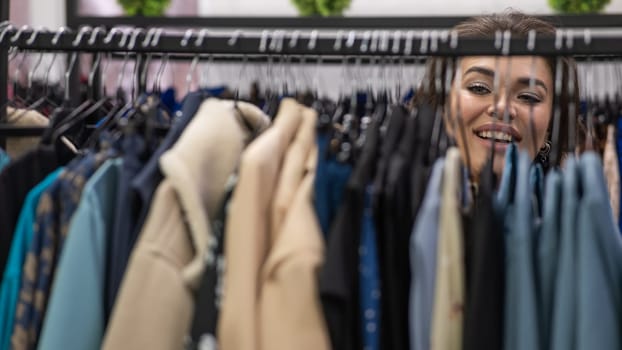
x,y
369,272
137,184
330,181
599,260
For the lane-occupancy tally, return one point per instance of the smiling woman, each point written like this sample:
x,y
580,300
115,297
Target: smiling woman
x,y
489,102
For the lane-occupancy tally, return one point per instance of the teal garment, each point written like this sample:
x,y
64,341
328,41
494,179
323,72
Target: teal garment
x,y
505,194
4,159
9,291
521,311
547,252
599,260
75,314
564,306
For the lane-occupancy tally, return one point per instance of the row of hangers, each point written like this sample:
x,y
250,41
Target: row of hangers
x,y
345,111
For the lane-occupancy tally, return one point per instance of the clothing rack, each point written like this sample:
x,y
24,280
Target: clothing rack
x,y
332,45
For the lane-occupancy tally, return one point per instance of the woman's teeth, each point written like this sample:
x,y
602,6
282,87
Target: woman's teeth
x,y
495,135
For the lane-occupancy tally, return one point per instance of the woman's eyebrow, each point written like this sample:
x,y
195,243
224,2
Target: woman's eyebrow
x,y
491,73
481,70
528,82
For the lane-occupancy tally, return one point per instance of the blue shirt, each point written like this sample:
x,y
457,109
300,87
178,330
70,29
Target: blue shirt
x,y
564,307
599,260
423,242
369,272
521,311
547,252
75,314
12,277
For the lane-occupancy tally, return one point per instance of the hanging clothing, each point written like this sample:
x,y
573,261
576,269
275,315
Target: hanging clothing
x,y
564,307
248,228
485,269
369,275
75,314
339,278
396,222
423,248
612,171
521,310
599,262
547,254
16,180
24,231
290,312
18,146
330,181
154,306
143,185
449,291
54,212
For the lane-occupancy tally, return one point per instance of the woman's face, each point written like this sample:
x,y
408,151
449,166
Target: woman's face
x,y
504,115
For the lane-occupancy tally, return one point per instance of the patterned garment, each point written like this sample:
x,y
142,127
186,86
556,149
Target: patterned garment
x,y
54,212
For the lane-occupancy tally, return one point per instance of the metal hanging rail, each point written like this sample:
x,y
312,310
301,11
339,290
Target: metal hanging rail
x,y
352,43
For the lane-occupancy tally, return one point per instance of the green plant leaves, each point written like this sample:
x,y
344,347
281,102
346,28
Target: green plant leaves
x,y
578,6
144,7
321,7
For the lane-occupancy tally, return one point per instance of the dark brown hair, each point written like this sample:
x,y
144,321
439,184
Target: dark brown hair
x,y
519,25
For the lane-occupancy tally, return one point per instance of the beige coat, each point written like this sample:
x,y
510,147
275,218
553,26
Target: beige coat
x,y
17,146
155,303
248,227
449,291
290,310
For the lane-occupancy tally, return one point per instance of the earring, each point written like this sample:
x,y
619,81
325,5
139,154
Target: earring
x,y
543,153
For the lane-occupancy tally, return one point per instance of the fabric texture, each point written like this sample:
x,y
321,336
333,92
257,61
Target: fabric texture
x,y
449,290
599,260
75,314
248,229
11,280
54,212
423,249
612,171
156,299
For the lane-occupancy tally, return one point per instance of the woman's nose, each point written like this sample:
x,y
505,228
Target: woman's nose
x,y
503,109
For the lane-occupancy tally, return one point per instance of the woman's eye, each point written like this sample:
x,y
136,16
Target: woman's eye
x,y
530,98
479,89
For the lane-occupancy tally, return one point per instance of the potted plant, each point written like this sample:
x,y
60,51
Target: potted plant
x,y
144,7
321,7
578,6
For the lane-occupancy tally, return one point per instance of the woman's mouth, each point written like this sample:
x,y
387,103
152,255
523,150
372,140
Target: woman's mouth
x,y
497,136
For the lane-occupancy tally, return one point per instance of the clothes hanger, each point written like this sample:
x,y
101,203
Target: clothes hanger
x,y
13,103
90,108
